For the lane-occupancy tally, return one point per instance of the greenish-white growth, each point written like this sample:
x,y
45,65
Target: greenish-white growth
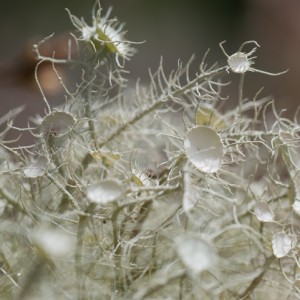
x,y
165,190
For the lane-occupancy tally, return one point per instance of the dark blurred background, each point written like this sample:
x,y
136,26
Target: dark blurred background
x,y
172,29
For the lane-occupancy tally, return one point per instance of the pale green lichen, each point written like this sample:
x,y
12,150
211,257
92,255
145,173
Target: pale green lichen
x,y
156,193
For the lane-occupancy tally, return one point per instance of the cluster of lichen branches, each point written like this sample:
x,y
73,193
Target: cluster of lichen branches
x,y
150,191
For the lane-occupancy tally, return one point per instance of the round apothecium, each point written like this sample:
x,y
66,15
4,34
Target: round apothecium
x,y
58,123
196,253
241,62
104,191
204,149
282,244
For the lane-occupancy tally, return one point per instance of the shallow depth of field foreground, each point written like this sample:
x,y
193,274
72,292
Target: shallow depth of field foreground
x,y
150,191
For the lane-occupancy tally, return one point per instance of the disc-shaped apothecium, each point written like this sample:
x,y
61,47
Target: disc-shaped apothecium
x,y
104,191
263,212
239,62
197,254
55,243
58,123
282,244
204,149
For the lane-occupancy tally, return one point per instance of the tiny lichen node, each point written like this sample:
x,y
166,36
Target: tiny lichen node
x,y
241,62
105,34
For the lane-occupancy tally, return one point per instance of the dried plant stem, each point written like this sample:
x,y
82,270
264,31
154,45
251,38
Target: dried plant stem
x,y
64,191
257,280
157,285
240,96
11,201
10,277
79,263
